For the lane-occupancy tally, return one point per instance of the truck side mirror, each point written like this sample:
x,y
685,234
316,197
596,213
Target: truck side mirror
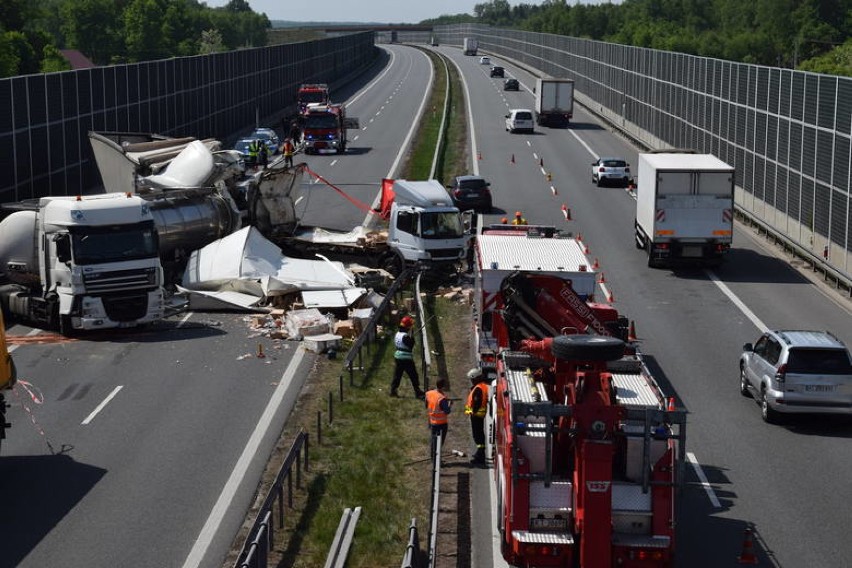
x,y
63,248
748,347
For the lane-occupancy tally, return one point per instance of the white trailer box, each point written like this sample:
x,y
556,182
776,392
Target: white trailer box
x,y
554,101
684,207
471,44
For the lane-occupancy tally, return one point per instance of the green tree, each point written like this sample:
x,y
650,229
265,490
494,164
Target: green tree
x,y
143,30
53,61
211,42
92,27
9,60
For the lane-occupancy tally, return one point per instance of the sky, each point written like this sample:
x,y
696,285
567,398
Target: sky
x,y
391,11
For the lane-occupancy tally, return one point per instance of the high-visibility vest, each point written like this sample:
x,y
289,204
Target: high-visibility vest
x,y
483,408
437,416
403,351
519,221
254,149
288,149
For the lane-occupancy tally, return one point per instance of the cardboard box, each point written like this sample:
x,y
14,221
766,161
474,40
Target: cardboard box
x,y
321,343
345,328
301,323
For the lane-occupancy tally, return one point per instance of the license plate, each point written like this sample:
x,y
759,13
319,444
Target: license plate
x,y
473,194
820,388
549,524
692,251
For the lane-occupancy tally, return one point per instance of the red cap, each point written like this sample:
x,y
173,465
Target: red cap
x,y
406,322
517,213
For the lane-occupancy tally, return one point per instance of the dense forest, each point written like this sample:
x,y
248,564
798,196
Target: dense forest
x,y
811,35
116,31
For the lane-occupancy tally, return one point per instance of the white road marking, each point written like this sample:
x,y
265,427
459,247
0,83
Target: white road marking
x,y
184,319
355,138
736,301
334,161
205,538
102,405
703,478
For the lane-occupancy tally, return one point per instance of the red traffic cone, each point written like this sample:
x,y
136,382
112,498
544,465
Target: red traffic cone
x,y
601,278
566,212
512,159
670,404
479,155
631,332
595,264
611,297
747,556
260,354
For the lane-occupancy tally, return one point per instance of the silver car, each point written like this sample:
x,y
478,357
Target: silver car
x,y
804,372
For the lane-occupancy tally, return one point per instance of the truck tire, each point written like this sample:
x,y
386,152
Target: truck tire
x,y
587,348
393,264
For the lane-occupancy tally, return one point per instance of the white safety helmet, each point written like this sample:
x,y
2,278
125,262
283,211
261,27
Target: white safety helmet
x,y
474,374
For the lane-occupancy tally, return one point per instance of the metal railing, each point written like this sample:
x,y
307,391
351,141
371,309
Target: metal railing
x,y
260,539
433,507
413,556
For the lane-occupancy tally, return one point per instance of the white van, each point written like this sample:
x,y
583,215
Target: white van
x,y
520,119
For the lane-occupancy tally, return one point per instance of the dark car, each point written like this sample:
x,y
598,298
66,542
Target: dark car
x,y
497,71
471,192
511,85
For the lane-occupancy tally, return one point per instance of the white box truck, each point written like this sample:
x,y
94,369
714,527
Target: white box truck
x,y
470,45
554,101
684,207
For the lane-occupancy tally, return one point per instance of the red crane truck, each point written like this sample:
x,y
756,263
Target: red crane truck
x,y
312,93
589,451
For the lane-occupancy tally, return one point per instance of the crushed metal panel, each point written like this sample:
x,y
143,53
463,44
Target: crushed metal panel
x,y
226,300
245,260
332,298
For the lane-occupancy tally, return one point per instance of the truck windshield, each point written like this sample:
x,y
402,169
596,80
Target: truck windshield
x,y
441,225
114,243
306,97
325,120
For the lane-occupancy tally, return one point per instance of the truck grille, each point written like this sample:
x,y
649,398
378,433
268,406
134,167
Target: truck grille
x,y
126,307
445,254
116,281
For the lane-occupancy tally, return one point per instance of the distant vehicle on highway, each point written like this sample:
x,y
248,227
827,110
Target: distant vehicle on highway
x,y
497,71
511,85
520,119
611,170
269,137
795,371
485,60
471,192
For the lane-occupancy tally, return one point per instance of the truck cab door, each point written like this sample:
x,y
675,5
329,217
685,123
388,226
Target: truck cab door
x,y
403,234
351,123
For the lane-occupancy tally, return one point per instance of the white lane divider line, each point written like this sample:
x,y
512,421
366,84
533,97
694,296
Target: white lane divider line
x,y
223,503
737,302
333,162
703,478
102,405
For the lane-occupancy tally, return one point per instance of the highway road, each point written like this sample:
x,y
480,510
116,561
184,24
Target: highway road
x,y
145,448
141,439
786,482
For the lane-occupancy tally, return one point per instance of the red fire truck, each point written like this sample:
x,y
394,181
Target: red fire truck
x,y
312,93
589,451
324,128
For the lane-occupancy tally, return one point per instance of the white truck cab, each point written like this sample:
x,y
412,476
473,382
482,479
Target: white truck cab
x,y
424,225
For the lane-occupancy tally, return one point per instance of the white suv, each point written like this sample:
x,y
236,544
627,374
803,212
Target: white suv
x,y
611,170
520,119
795,371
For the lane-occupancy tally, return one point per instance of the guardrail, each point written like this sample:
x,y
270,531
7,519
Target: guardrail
x,y
343,538
413,557
260,538
433,507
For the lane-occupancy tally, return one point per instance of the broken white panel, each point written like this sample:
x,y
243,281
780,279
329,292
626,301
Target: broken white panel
x,y
201,300
247,262
191,168
332,298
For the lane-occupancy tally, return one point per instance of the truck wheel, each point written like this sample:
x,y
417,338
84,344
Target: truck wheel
x,y
587,348
393,264
65,326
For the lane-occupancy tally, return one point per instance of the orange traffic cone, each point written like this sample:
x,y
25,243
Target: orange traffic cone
x,y
260,354
479,155
595,264
747,556
566,212
670,404
611,297
579,237
631,332
602,278
586,249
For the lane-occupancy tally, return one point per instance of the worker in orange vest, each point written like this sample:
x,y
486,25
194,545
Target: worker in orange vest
x,y
477,408
439,407
288,149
